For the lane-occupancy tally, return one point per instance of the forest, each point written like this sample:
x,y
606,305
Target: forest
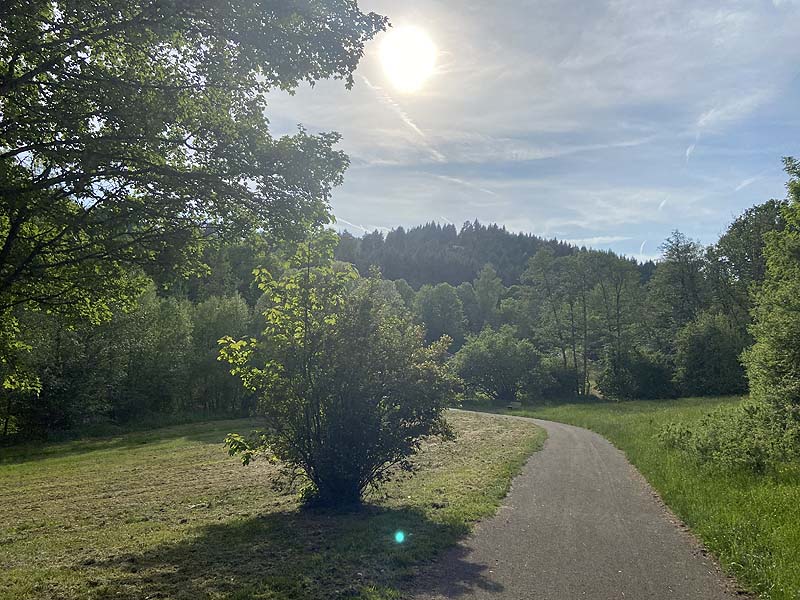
x,y
531,320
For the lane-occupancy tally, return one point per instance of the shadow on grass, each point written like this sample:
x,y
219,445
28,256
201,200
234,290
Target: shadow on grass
x,y
478,406
308,554
207,432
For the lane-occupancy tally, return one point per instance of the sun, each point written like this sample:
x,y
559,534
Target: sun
x,y
408,56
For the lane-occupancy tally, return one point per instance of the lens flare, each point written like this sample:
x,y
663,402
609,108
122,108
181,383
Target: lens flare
x,y
399,537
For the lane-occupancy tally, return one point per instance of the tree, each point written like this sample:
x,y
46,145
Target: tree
x,y
736,264
346,386
496,363
773,363
154,345
133,131
677,290
488,292
439,308
765,430
521,309
19,382
469,302
617,301
406,292
579,281
707,357
544,276
213,390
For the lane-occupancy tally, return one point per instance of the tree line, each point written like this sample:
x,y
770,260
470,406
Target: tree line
x,y
577,322
596,323
434,253
155,238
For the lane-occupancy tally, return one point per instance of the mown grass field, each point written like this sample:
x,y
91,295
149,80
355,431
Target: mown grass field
x,y
750,522
167,514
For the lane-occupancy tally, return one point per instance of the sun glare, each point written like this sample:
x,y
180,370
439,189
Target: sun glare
x,y
408,56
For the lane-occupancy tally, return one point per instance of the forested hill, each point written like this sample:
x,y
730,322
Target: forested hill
x,y
434,253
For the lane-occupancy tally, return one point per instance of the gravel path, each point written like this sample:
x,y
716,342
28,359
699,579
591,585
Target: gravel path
x,y
580,522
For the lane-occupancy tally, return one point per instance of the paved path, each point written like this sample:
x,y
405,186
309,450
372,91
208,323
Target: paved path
x,y
580,522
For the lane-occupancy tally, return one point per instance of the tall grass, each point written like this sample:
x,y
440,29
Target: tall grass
x,y
750,522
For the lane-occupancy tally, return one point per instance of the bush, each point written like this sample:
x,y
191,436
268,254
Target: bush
x,y
496,363
636,375
347,386
734,438
707,357
550,380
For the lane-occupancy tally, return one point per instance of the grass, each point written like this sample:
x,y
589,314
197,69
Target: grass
x,y
750,522
167,514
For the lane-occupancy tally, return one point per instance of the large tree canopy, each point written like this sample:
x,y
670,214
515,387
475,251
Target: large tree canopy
x,y
132,130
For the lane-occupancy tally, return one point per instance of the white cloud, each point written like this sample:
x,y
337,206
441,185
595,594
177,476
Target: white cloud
x,y
732,110
745,182
465,183
600,240
565,117
351,224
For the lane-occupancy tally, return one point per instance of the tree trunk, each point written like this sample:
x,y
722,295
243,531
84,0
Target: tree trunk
x,y
574,343
585,343
8,416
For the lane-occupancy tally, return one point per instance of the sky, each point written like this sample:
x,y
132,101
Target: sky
x,y
606,124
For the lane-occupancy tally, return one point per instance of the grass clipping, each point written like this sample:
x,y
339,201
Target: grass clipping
x,y
168,514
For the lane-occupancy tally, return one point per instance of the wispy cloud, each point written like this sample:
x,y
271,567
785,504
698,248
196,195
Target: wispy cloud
x,y
599,240
732,110
404,117
466,183
351,224
745,182
602,120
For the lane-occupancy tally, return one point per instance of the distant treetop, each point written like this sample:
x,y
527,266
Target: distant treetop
x,y
435,253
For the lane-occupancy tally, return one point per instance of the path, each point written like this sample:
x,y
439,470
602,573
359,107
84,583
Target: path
x,y
580,522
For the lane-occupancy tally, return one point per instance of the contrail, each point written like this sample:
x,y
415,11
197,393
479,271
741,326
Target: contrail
x,y
466,184
386,99
346,222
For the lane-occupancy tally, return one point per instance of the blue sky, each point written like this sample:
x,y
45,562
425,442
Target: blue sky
x,y
604,123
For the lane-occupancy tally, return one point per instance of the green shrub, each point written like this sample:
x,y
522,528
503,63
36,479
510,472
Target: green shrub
x,y
636,375
496,363
346,386
550,380
739,438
